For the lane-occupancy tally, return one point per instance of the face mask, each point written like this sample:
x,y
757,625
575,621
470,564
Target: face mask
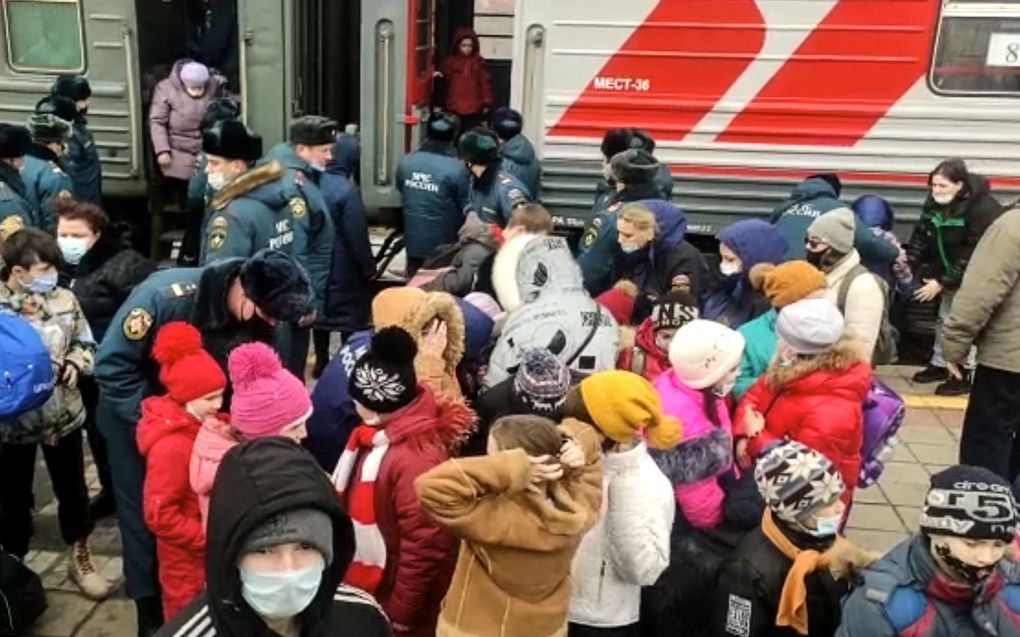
x,y
815,258
944,198
729,269
825,527
317,167
217,181
281,595
629,248
968,572
73,249
724,390
41,284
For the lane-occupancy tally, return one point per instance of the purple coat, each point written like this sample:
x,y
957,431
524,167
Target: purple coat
x,y
174,120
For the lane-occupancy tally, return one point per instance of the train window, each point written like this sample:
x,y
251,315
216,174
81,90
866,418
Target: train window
x,y
494,22
977,49
44,35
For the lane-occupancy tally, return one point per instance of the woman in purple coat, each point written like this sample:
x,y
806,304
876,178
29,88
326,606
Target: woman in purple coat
x,y
175,118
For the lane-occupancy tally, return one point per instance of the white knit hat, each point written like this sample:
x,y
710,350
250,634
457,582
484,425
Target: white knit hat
x,y
704,352
811,326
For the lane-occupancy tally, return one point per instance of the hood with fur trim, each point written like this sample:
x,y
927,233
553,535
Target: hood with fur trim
x,y
531,266
844,355
248,183
442,306
847,559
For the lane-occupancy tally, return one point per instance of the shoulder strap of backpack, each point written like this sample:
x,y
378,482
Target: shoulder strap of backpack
x,y
591,334
844,287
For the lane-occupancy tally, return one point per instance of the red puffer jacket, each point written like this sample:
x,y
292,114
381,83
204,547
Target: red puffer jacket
x,y
816,401
165,434
420,554
468,81
655,361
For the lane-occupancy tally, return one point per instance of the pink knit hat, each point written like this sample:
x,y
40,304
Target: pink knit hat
x,y
267,398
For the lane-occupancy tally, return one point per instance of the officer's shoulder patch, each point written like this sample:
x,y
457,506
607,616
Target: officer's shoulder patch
x,y
298,207
588,240
137,324
217,237
181,290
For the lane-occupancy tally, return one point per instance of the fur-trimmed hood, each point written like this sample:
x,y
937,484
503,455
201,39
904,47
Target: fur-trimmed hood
x,y
431,421
248,183
530,266
444,307
847,559
698,459
834,365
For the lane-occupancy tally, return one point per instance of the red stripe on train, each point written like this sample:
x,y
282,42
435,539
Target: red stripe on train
x,y
850,177
857,63
689,56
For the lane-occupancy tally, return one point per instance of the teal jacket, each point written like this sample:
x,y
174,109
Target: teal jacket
x,y
759,349
249,214
45,182
313,224
15,209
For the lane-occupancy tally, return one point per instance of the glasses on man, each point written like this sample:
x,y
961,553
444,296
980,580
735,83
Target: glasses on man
x,y
813,244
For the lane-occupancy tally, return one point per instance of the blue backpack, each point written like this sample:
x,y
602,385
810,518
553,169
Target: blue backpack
x,y
26,374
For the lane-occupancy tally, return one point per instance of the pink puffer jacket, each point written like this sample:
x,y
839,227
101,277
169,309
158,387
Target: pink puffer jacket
x,y
705,453
213,442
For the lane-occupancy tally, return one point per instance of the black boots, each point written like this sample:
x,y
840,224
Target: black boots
x,y
956,386
931,374
150,616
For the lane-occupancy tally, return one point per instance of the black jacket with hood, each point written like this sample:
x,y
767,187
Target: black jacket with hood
x,y
256,481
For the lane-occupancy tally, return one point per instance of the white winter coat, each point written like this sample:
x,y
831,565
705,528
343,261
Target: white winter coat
x,y
629,546
865,301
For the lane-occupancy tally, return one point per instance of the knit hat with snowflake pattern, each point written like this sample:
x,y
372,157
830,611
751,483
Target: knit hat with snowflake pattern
x,y
383,380
796,481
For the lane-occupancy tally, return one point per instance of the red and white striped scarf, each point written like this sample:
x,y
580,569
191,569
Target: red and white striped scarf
x,y
358,495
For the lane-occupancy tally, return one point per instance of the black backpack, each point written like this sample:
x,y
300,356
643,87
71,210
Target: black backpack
x,y
22,597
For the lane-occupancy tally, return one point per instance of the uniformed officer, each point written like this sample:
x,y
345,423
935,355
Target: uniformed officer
x,y
231,302
633,173
199,195
434,188
16,211
304,158
494,192
519,158
616,141
86,171
247,212
45,176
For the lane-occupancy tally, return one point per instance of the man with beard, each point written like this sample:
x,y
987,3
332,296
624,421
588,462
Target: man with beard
x,y
231,302
954,577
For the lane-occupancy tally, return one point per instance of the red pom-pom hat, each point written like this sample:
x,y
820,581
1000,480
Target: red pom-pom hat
x,y
186,370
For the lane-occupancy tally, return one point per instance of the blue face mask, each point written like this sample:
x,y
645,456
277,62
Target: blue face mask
x,y
825,527
41,284
281,595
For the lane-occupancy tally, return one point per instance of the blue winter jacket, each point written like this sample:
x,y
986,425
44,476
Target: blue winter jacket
x,y
732,300
333,415
520,160
434,188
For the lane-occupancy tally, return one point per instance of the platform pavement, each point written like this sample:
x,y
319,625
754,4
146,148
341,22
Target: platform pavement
x,y
883,515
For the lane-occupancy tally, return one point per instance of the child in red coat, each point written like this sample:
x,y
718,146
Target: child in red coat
x,y
812,392
166,433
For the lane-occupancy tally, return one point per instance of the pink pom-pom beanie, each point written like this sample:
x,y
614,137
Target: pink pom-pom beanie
x,y
267,398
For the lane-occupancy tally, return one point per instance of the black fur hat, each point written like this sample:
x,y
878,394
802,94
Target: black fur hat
x,y
313,130
478,146
47,128
74,87
62,107
442,127
634,167
14,141
507,123
233,140
277,285
221,108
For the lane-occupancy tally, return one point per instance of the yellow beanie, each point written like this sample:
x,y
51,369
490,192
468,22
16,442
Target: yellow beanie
x,y
623,403
787,283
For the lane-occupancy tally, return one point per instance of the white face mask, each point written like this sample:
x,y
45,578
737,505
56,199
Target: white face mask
x,y
725,389
217,181
944,198
281,595
73,249
317,167
629,248
729,269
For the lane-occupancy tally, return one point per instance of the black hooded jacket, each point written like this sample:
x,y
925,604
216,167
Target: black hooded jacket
x,y
256,481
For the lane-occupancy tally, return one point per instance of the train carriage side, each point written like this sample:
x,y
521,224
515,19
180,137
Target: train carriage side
x,y
749,98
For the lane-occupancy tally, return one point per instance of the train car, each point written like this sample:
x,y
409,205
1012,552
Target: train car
x,y
744,97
